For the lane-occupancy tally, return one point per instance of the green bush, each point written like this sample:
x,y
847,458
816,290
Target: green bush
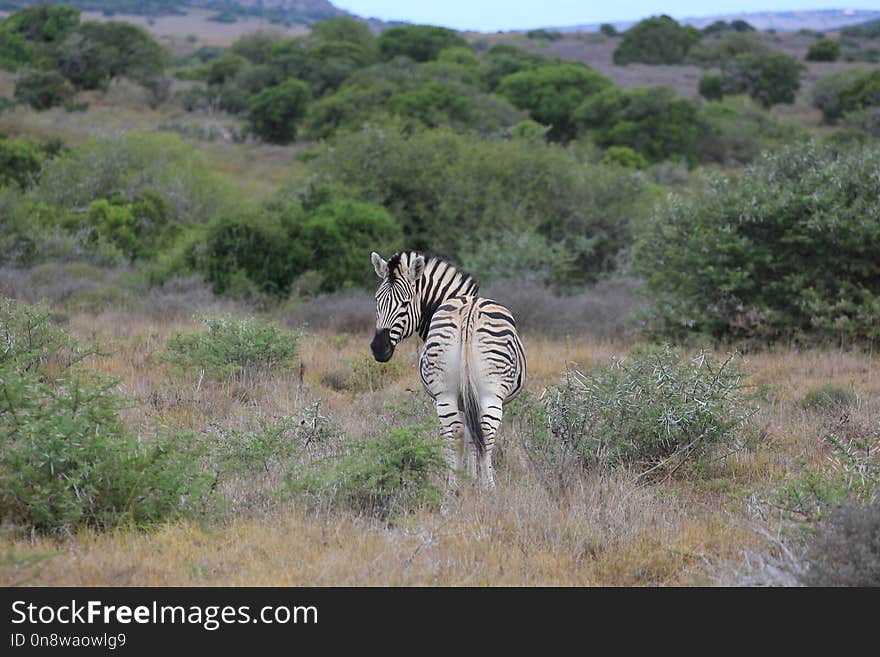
x,y
653,122
67,460
656,40
828,93
451,191
255,244
20,161
383,477
655,410
861,93
31,343
273,245
737,130
624,156
504,59
130,166
769,78
42,89
339,236
133,230
97,52
852,474
274,112
824,50
421,43
433,94
716,52
233,348
783,251
711,87
552,92
829,396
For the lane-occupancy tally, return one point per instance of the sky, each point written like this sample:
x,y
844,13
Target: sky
x,y
493,15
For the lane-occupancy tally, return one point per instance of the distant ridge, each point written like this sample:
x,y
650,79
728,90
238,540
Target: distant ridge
x,y
782,21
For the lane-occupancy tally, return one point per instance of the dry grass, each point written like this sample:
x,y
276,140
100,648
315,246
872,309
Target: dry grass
x,y
607,530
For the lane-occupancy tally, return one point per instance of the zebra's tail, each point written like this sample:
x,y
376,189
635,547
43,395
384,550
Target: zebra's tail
x,y
469,400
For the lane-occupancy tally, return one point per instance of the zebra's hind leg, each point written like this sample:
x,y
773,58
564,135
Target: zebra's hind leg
x,y
454,437
490,421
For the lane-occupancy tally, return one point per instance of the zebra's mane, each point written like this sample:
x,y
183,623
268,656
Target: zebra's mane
x,y
394,266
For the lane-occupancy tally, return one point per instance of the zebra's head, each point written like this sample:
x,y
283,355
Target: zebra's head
x,y
397,303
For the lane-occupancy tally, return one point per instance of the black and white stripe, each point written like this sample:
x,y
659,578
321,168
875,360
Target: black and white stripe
x,y
473,360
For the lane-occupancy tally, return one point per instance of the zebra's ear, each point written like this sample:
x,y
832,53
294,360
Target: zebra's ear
x,y
379,265
417,268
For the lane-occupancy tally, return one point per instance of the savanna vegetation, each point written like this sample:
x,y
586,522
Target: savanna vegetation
x,y
185,233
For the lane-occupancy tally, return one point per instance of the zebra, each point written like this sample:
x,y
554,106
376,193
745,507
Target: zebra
x,y
472,362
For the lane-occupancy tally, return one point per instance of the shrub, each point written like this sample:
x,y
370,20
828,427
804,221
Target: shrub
x,y
655,410
67,460
846,551
383,477
451,191
716,52
233,348
824,50
552,92
129,166
274,112
652,122
829,396
736,131
504,59
96,52
769,78
656,40
851,472
711,87
42,89
421,43
434,94
30,342
20,161
780,252
624,156
256,244
828,93
339,236
862,92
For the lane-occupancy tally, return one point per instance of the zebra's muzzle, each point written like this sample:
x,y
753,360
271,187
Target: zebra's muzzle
x,y
381,345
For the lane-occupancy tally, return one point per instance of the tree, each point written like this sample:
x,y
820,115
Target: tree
x,y
43,89
786,250
833,95
421,43
608,30
552,92
95,53
769,78
656,40
651,121
274,112
824,50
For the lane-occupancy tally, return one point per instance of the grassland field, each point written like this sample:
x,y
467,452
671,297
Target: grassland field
x,y
720,526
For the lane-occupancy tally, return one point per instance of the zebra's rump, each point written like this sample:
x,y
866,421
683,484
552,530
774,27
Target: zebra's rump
x,y
487,330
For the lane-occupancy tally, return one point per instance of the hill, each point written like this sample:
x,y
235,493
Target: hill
x,y
277,11
781,21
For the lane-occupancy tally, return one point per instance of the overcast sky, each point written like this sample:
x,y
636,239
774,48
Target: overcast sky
x,y
492,15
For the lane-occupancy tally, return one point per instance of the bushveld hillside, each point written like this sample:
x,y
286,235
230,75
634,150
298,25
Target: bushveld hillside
x,y
682,221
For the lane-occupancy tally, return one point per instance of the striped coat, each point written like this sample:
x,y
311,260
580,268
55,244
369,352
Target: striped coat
x,y
472,362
